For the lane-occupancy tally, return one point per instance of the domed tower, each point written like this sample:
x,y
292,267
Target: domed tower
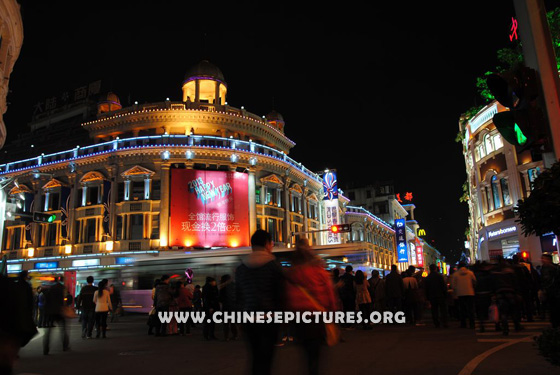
x,y
108,103
275,119
205,83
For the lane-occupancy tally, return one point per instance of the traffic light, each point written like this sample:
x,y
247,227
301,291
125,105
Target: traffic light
x,y
340,228
43,217
525,255
523,125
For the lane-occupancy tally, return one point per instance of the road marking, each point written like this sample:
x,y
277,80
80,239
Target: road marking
x,y
471,366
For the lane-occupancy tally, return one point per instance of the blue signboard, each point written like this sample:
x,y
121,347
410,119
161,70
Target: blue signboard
x,y
400,233
46,265
124,260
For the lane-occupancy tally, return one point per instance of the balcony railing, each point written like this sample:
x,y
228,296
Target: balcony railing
x,y
156,141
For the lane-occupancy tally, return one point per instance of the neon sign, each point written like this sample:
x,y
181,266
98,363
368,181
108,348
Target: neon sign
x,y
502,231
513,30
400,233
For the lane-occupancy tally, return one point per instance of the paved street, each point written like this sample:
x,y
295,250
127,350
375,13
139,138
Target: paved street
x,y
386,349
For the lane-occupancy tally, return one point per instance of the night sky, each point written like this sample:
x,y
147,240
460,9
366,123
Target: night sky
x,y
373,90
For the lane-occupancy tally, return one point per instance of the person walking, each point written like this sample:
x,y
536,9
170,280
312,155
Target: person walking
x,y
54,303
377,291
347,292
87,307
184,304
259,287
227,299
309,288
41,321
394,290
152,316
483,291
363,299
410,285
115,302
211,303
436,293
550,284
463,284
102,300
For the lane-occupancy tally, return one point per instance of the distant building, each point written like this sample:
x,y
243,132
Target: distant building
x,y
11,40
379,199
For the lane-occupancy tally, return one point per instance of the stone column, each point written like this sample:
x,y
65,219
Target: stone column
x,y
287,218
305,210
72,208
164,205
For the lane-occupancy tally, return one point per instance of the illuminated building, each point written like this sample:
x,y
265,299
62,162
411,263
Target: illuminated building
x,y
497,177
164,177
11,40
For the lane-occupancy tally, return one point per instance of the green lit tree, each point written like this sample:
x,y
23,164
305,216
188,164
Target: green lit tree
x,y
540,212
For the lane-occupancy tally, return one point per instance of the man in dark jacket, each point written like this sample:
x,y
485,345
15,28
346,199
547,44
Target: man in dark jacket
x,y
227,299
394,290
436,293
87,306
53,309
259,287
347,292
162,301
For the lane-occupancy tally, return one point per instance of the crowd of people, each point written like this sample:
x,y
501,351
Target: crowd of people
x,y
500,292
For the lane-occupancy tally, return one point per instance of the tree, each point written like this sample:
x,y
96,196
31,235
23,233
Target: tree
x,y
540,212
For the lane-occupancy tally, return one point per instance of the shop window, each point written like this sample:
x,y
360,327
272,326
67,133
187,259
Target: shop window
x,y
505,191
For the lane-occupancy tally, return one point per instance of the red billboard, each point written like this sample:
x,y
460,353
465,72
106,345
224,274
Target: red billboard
x,y
208,209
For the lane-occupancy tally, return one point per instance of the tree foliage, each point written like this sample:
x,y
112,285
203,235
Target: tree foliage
x,y
540,212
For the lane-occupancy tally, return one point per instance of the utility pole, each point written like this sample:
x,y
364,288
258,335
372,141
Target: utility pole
x,y
539,55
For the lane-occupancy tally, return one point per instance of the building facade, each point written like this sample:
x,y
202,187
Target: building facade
x,y
166,178
497,177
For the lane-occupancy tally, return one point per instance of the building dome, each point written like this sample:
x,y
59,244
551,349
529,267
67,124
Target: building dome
x,y
205,69
275,119
205,83
108,102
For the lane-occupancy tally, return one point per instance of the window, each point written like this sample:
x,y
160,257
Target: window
x,y
498,143
90,234
505,191
352,196
54,203
488,144
119,228
155,227
496,193
271,228
156,190
120,192
368,194
533,174
92,195
136,227
137,190
15,242
50,238
258,196
489,201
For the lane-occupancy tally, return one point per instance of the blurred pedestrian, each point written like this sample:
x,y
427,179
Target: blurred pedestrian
x,y
377,291
102,300
550,283
463,284
259,287
436,293
152,316
363,299
211,303
184,303
227,300
483,291
162,301
115,295
394,290
197,298
87,307
54,303
309,288
42,321
506,289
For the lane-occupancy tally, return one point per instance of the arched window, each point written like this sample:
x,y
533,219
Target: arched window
x,y
496,193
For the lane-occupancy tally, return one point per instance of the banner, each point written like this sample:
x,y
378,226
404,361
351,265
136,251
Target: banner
x,y
106,206
64,203
400,233
209,209
330,202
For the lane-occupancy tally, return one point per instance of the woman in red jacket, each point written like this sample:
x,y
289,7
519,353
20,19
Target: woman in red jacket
x,y
309,288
